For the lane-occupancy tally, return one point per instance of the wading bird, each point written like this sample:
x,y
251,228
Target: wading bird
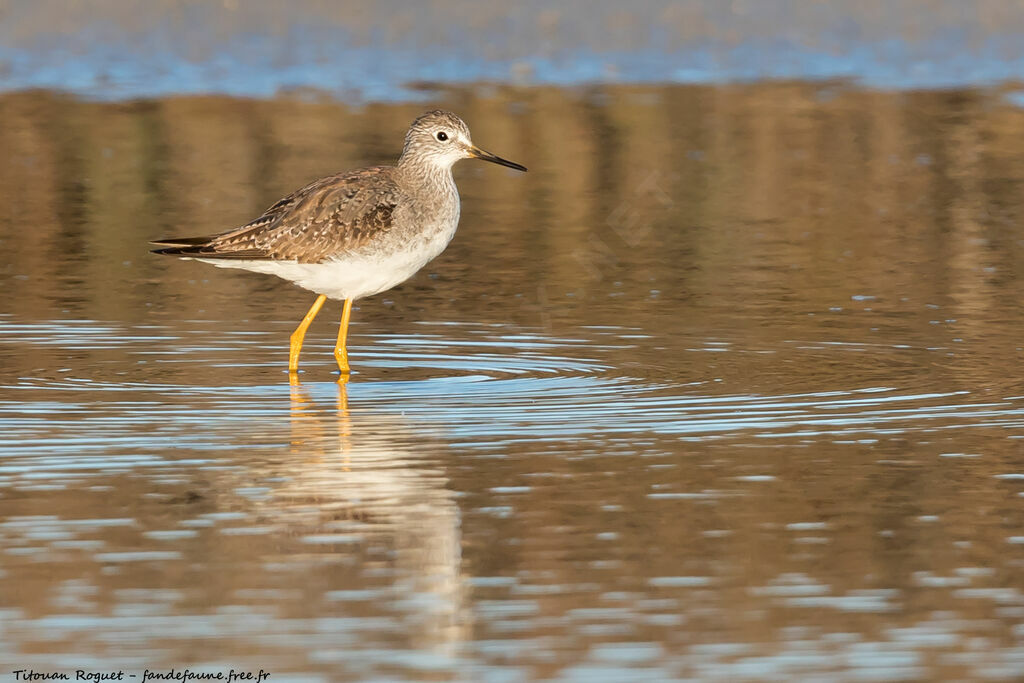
x,y
354,234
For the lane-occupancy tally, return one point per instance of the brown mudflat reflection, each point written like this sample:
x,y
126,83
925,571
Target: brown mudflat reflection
x,y
728,386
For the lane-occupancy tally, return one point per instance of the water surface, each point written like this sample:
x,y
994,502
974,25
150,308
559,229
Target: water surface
x,y
727,386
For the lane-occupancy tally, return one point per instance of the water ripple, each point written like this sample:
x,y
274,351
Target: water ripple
x,y
485,382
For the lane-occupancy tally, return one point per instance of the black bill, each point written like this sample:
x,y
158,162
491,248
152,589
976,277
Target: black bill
x,y
494,159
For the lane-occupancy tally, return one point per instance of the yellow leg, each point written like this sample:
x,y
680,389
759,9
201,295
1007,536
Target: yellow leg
x,y
340,353
300,333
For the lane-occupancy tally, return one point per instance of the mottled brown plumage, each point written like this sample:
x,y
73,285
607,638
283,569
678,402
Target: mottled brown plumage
x,y
328,217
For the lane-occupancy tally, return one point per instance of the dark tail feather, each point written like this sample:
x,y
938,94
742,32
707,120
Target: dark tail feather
x,y
171,251
180,246
181,241
204,251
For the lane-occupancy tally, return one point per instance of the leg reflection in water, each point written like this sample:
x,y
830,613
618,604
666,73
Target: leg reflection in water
x,y
369,479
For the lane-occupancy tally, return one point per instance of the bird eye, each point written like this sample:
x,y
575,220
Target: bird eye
x,y
442,136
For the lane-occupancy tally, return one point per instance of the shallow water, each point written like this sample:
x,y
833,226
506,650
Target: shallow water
x,y
727,386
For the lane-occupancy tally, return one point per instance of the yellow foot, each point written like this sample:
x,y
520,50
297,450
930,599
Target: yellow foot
x,y
341,356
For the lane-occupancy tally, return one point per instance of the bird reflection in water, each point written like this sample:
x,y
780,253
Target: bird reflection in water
x,y
361,480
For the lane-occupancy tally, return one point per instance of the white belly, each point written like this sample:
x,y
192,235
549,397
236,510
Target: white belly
x,y
351,276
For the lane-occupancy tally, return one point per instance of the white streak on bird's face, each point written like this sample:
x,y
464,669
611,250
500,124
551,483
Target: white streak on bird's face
x,y
438,139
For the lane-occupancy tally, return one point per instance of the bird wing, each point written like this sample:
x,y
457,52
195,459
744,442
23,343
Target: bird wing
x,y
329,216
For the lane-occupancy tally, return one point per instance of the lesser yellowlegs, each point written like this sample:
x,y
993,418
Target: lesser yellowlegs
x,y
354,234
